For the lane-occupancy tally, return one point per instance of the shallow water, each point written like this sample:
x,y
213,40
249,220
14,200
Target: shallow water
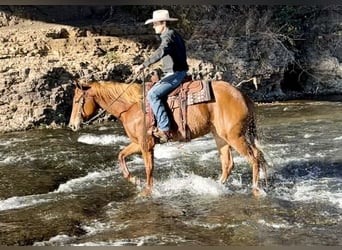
x,y
58,187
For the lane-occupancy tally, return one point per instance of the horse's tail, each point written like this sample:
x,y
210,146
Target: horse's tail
x,y
253,138
252,134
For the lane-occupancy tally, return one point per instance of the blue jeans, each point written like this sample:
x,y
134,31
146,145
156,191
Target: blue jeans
x,y
160,90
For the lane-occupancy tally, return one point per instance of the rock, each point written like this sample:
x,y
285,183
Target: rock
x,y
44,49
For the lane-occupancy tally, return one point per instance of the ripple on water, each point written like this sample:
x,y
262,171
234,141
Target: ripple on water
x,y
302,191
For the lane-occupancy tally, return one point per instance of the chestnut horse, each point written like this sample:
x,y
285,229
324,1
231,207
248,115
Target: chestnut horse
x,y
230,117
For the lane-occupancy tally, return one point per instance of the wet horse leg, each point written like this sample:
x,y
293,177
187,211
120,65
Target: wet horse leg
x,y
226,162
132,148
148,156
250,152
226,158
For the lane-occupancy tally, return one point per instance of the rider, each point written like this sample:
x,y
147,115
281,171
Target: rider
x,y
172,52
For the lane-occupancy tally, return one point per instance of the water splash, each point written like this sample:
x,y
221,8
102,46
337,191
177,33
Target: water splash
x,y
84,182
105,139
70,186
325,189
24,201
191,184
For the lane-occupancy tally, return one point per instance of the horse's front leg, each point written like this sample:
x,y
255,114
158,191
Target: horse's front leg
x,y
132,148
148,156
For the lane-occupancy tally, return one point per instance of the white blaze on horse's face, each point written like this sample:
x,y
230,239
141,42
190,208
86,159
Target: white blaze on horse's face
x,y
77,105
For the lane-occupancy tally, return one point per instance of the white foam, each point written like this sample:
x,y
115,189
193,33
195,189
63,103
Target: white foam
x,y
306,136
237,182
9,159
313,190
23,201
5,142
136,160
73,185
176,149
96,226
205,225
286,160
274,225
102,139
338,138
21,157
209,155
167,151
204,143
318,190
190,183
139,241
11,141
70,186
82,182
59,240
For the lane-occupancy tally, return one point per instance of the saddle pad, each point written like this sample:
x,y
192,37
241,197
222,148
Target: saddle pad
x,y
198,93
203,95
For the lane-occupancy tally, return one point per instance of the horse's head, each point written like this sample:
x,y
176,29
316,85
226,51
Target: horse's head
x,y
83,105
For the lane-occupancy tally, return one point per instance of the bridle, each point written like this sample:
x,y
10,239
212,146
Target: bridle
x,y
81,101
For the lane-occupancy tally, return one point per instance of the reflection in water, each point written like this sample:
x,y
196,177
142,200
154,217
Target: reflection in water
x,y
63,188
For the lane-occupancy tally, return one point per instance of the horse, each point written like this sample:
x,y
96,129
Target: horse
x,y
230,117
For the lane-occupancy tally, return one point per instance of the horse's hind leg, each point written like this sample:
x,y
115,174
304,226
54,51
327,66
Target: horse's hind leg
x,y
226,162
226,158
251,152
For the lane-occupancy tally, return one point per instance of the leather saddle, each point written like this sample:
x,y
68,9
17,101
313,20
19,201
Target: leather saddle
x,y
188,85
189,92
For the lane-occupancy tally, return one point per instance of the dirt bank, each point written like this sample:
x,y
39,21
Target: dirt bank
x,y
290,52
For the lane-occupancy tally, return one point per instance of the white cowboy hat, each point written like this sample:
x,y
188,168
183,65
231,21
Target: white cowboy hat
x,y
160,15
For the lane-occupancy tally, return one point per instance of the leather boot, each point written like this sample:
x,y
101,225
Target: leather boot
x,y
163,136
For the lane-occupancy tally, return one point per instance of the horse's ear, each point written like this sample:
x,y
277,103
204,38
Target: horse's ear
x,y
82,86
77,84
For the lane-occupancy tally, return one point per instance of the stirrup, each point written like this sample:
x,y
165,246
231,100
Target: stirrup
x,y
163,136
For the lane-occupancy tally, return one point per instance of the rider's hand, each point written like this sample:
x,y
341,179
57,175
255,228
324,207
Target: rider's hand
x,y
139,68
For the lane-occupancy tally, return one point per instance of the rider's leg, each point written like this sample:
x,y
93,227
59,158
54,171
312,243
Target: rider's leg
x,y
160,90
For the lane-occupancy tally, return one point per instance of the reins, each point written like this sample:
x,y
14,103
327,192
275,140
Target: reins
x,y
144,113
103,110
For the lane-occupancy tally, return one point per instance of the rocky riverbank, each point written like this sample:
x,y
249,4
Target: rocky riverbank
x,y
287,52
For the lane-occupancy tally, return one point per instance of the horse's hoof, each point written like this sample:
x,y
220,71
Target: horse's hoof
x,y
134,180
257,192
147,192
223,180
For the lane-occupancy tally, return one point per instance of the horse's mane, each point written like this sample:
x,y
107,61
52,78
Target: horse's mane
x,y
131,93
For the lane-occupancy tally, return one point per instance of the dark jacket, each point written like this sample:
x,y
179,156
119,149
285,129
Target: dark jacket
x,y
172,51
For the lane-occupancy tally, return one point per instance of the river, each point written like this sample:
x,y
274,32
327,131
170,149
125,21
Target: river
x,y
64,188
